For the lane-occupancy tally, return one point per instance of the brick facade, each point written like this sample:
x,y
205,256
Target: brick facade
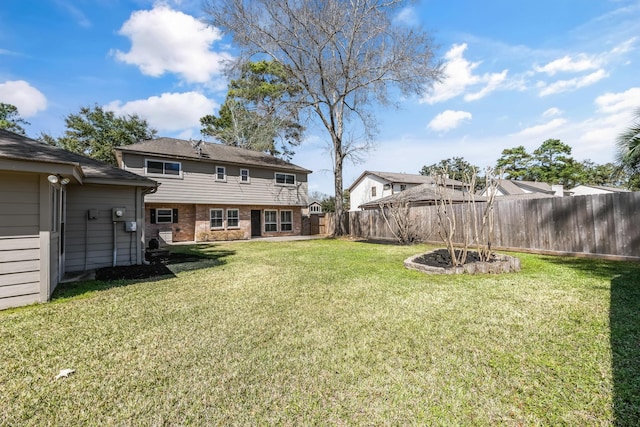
x,y
194,223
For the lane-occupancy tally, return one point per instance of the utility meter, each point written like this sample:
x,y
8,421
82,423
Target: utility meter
x,y
117,214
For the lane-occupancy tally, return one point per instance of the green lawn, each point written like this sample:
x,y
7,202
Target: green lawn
x,y
330,332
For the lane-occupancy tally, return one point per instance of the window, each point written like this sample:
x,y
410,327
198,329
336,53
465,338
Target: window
x,y
164,216
403,187
315,208
221,173
233,218
387,187
157,167
373,191
285,178
270,220
216,218
244,176
286,220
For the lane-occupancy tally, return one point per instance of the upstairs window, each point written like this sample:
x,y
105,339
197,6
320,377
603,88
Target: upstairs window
x,y
374,191
285,178
244,176
403,187
159,167
221,173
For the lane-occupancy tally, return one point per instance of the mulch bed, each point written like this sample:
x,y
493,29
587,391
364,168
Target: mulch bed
x,y
157,267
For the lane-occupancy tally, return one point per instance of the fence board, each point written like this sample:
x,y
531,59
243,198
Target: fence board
x,y
601,224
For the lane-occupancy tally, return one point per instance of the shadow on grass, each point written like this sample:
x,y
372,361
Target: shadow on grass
x,y
624,324
178,259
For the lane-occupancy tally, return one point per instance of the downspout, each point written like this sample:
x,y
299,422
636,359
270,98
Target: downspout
x,y
115,246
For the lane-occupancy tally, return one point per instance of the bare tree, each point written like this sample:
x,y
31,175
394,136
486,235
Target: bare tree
x,y
405,227
346,55
474,224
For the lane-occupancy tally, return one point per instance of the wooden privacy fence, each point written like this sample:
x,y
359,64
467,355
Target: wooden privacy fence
x,y
603,224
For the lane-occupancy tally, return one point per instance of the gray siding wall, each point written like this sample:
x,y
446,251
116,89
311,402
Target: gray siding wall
x,y
198,185
19,239
89,243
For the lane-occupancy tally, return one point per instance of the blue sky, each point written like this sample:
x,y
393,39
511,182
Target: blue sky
x,y
517,73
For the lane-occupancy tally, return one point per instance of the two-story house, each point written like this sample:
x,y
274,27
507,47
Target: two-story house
x,y
371,186
213,191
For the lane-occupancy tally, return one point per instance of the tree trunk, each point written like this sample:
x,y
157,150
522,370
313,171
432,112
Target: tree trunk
x,y
337,173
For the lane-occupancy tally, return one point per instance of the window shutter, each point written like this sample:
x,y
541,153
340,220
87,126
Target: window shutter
x,y
175,216
153,216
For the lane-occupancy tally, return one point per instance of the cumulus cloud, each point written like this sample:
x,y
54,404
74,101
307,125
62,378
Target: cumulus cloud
x,y
26,98
542,129
169,111
552,112
448,120
570,65
166,40
617,102
572,84
408,16
459,75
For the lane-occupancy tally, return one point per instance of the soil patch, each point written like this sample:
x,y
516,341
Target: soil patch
x,y
156,267
439,262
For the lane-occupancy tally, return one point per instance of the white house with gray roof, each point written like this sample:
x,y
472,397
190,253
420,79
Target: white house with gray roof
x,y
63,213
211,191
371,186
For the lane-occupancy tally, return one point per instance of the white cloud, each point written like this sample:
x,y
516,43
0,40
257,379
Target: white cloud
x,y
166,40
169,111
572,84
459,76
621,101
493,82
552,112
569,64
26,98
542,129
77,14
448,120
408,16
624,47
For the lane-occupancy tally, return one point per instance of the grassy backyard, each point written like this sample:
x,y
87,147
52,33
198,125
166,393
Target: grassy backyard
x,y
330,332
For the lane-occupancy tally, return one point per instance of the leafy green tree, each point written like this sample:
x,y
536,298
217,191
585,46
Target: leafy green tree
x,y
10,119
515,163
256,113
95,132
628,155
608,174
552,163
345,56
457,168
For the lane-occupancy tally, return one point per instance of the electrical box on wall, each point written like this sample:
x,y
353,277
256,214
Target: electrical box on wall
x,y
130,226
92,214
117,214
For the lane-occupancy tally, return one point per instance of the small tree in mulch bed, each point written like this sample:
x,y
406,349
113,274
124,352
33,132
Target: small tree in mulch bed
x,y
476,230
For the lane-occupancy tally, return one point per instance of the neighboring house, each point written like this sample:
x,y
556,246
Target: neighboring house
x,y
216,192
513,189
314,208
583,190
371,186
63,213
423,195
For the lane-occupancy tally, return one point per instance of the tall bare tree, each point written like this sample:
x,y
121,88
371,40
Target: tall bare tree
x,y
346,56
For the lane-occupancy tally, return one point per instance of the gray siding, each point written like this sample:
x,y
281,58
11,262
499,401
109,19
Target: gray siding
x,y
198,185
89,243
19,239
